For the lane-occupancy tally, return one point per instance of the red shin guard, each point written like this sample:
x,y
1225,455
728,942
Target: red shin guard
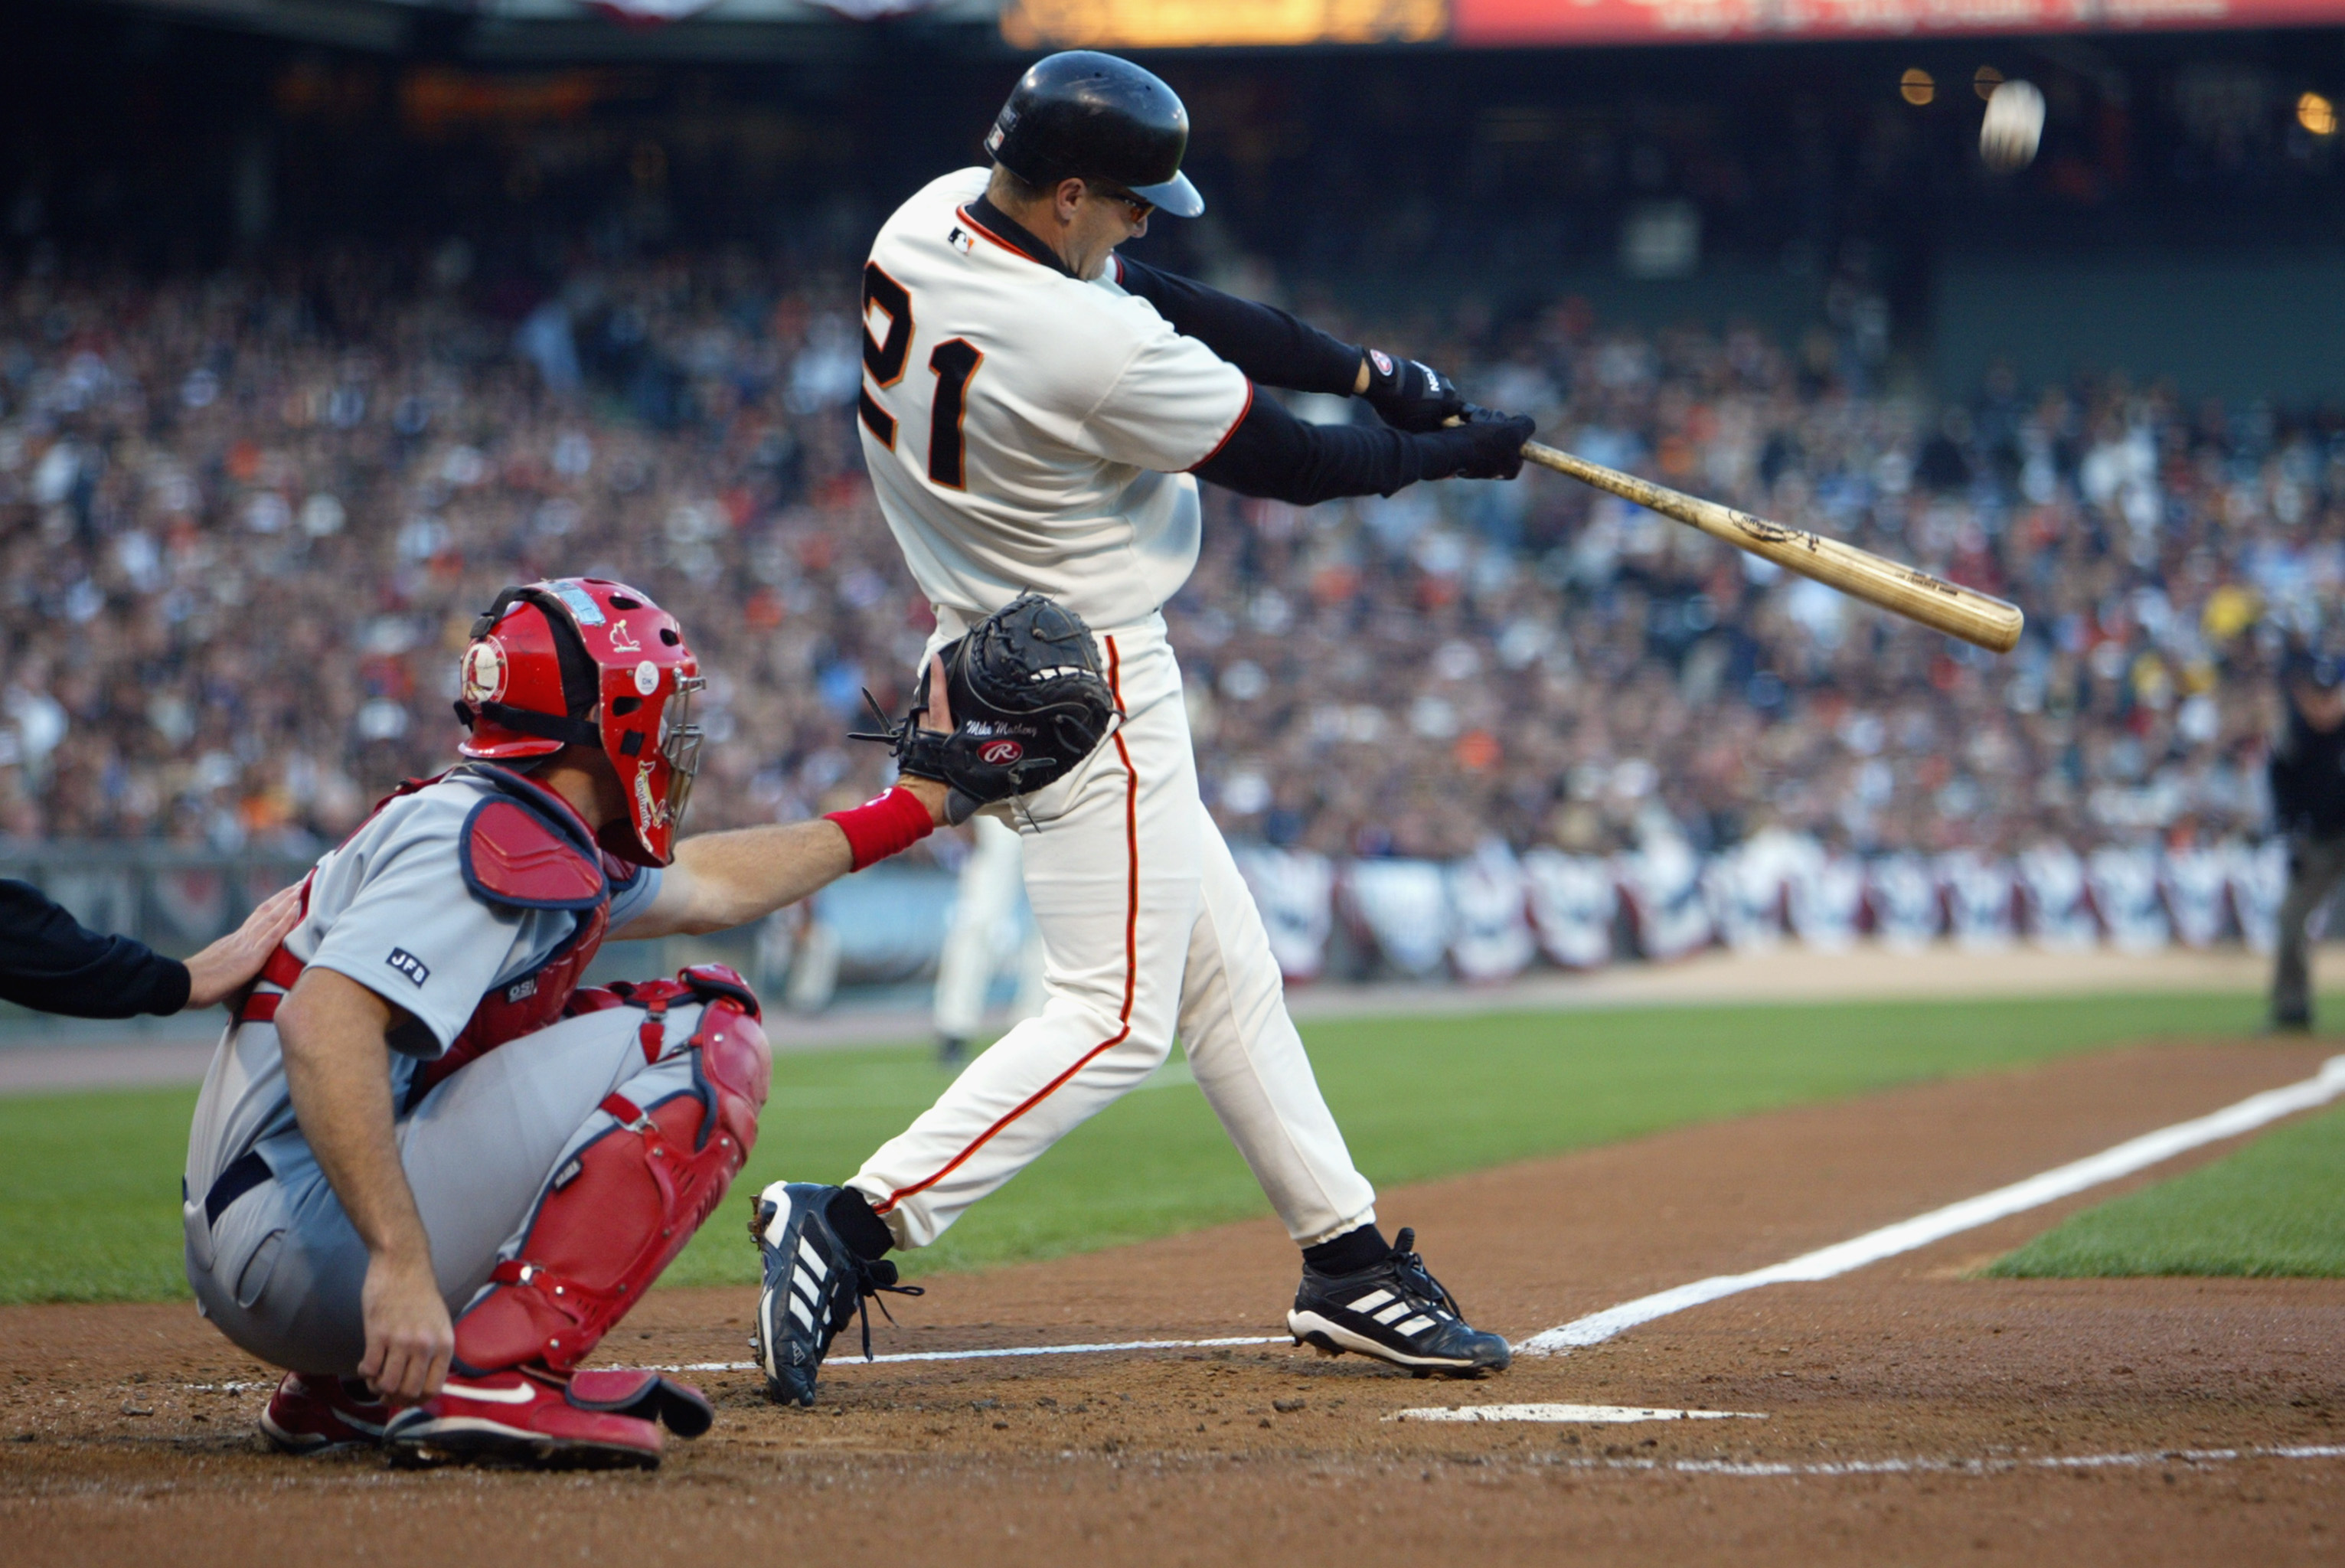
x,y
624,1207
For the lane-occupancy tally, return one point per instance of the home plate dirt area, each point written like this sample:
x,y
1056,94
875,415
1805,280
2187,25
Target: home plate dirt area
x,y
1911,1413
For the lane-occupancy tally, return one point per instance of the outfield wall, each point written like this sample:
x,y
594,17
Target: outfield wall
x,y
1488,918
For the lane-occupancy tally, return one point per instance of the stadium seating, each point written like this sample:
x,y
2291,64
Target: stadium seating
x,y
242,544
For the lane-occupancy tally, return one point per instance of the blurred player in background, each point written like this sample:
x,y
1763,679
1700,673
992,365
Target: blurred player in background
x,y
985,913
2307,787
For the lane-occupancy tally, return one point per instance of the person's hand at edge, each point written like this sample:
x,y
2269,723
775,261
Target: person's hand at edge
x,y
227,965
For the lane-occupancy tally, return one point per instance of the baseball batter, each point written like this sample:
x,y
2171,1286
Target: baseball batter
x,y
1035,413
428,1171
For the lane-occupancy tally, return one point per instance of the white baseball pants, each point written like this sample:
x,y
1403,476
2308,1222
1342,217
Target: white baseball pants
x,y
1147,930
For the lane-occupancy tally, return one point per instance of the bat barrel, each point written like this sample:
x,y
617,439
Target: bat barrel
x,y
1977,619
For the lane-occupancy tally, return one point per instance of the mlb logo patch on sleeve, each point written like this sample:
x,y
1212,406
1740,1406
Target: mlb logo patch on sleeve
x,y
408,964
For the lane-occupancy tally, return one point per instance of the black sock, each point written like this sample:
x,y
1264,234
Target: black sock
x,y
850,1214
1350,1252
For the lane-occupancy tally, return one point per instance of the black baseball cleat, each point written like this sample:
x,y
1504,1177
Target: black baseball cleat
x,y
1396,1311
813,1283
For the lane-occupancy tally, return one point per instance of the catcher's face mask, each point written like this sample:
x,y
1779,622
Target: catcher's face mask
x,y
579,661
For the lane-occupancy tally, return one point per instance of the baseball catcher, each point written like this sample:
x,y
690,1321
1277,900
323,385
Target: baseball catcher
x,y
1036,411
429,1170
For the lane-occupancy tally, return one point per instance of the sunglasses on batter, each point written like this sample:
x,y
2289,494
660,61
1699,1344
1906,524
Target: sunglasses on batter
x,y
1139,209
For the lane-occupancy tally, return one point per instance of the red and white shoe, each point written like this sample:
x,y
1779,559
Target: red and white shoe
x,y
598,1418
314,1413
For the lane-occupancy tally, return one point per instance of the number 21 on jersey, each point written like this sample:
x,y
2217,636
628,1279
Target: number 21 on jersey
x,y
952,362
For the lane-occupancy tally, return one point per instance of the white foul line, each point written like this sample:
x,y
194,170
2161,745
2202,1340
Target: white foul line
x,y
1568,1415
2134,1155
989,1355
2139,1461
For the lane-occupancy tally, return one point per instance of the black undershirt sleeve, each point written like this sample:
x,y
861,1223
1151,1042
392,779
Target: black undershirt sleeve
x,y
1271,346
50,962
1271,453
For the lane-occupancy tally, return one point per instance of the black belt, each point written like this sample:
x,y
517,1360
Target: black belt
x,y
248,1171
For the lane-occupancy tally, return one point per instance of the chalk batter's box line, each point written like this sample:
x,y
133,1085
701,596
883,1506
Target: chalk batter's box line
x,y
994,1355
902,1355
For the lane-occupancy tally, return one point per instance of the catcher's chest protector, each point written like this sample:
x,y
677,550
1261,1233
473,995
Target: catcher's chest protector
x,y
525,849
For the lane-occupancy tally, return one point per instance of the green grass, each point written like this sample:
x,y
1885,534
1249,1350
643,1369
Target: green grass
x,y
89,1182
2274,1209
90,1196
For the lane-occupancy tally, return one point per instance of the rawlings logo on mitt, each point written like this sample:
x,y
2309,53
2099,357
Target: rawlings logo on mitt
x,y
1024,701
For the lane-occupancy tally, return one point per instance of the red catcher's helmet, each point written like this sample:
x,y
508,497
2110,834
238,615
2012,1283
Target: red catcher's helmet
x,y
579,661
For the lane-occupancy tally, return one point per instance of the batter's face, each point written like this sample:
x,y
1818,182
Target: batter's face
x,y
1093,221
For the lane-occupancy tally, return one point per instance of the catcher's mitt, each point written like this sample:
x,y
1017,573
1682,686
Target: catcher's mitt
x,y
1027,702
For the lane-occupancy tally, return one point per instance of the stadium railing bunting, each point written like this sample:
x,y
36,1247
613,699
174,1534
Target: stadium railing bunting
x,y
1489,917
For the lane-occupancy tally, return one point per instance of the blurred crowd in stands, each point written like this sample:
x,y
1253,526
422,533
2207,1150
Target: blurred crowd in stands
x,y
247,519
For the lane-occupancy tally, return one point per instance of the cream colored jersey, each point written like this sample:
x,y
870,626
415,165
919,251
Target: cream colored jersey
x,y
1025,430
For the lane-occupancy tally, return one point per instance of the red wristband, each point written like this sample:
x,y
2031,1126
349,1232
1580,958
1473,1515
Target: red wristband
x,y
878,828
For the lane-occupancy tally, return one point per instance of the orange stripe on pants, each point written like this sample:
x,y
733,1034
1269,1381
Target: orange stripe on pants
x,y
1131,963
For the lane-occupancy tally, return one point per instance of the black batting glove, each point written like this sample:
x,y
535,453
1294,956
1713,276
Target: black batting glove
x,y
1484,444
1409,395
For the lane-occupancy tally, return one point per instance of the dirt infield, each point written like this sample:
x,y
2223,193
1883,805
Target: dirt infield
x,y
1912,1413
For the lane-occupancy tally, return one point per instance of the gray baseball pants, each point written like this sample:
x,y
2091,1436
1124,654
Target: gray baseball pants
x,y
281,1271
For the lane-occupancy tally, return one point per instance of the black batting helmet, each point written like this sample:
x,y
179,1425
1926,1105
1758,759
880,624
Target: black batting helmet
x,y
1084,114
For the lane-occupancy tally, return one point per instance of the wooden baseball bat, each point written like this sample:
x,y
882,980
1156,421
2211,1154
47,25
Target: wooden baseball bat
x,y
1949,607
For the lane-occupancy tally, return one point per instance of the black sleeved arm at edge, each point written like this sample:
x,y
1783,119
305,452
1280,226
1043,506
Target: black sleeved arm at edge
x,y
1272,347
50,962
1273,455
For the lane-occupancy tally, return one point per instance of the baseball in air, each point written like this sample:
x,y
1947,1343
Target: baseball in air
x,y
2013,125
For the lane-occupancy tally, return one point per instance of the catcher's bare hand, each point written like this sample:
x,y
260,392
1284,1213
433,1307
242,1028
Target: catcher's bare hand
x,y
409,1339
